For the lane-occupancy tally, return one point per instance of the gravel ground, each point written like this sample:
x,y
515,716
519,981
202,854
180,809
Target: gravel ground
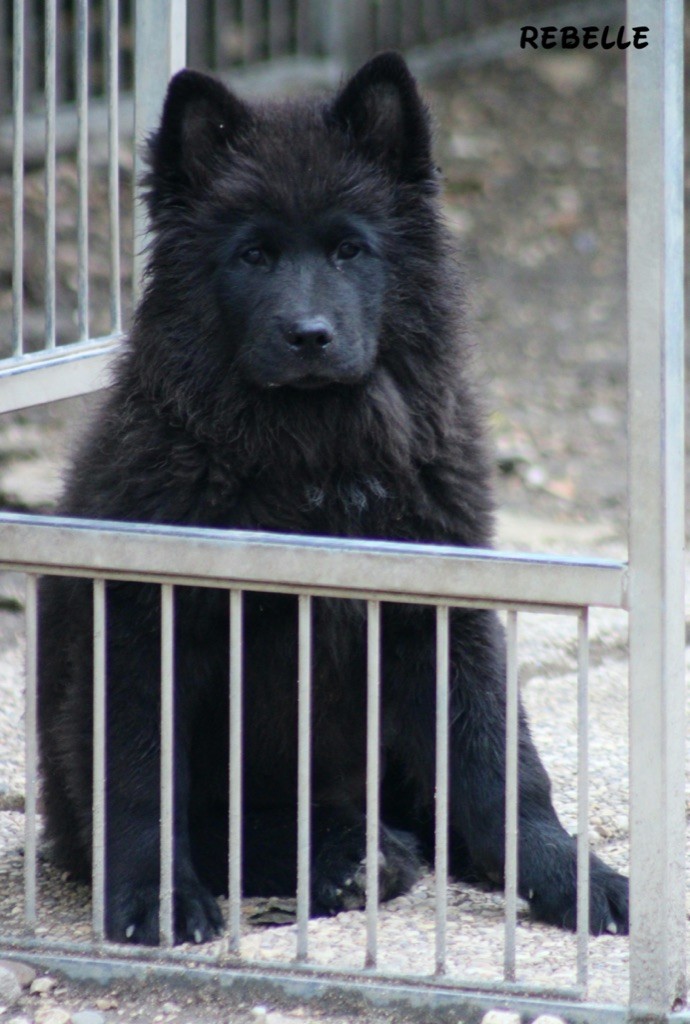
x,y
532,148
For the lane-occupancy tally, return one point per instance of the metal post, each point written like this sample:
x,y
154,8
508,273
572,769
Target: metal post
x,y
656,523
31,754
235,774
303,774
160,51
347,33
166,925
99,765
50,204
583,798
373,777
82,75
442,782
18,180
512,790
113,89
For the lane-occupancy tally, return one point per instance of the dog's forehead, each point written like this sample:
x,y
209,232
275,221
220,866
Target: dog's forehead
x,y
291,162
298,136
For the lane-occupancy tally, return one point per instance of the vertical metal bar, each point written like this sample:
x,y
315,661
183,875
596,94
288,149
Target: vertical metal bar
x,y
582,797
304,27
347,30
442,774
387,24
373,773
98,851
50,88
276,32
166,924
408,12
512,790
161,47
253,30
112,89
432,20
32,48
656,509
82,76
31,752
216,13
303,774
202,29
235,768
18,180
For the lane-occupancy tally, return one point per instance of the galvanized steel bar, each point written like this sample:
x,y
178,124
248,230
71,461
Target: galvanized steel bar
x,y
303,982
251,30
338,566
112,92
235,770
656,509
63,372
161,50
82,77
373,778
166,923
279,28
178,963
303,774
305,33
442,775
217,14
385,25
31,752
582,797
99,769
50,236
18,179
511,797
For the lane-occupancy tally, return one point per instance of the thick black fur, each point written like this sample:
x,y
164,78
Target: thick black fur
x,y
297,364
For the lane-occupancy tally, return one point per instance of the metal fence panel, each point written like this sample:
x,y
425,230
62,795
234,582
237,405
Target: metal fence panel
x,y
424,573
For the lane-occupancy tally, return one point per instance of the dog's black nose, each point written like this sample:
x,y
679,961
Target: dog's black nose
x,y
312,334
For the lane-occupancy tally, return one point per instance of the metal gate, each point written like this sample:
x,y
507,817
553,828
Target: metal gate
x,y
650,586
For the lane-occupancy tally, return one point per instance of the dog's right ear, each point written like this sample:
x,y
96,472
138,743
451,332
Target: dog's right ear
x,y
200,120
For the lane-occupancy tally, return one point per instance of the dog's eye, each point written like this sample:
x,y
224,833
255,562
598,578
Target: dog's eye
x,y
347,250
255,257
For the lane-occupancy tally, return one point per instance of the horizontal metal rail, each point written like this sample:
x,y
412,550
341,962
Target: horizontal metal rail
x,y
320,565
62,372
127,957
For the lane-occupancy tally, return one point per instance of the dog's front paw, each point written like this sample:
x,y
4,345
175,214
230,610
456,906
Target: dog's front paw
x,y
340,870
608,901
133,914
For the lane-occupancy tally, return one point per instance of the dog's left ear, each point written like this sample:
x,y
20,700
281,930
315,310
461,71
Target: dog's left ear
x,y
381,110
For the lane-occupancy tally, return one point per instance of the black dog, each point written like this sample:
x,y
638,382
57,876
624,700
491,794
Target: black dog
x,y
297,364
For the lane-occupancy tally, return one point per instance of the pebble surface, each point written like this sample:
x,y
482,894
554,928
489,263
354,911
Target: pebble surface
x,y
10,989
501,1017
87,1017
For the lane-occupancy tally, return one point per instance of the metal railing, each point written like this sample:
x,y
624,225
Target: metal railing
x,y
651,587
310,567
52,371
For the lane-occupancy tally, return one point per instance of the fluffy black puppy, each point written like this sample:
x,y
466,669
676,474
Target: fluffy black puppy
x,y
297,364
